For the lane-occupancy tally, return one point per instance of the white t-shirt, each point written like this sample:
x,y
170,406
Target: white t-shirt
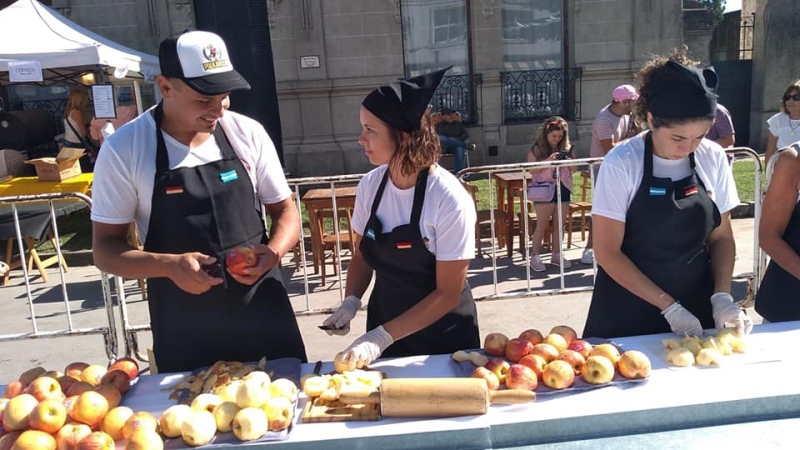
x,y
623,168
126,166
786,130
448,213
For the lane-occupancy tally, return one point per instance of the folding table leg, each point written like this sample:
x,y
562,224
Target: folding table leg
x,y
34,257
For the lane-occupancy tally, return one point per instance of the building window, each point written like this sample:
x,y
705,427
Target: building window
x,y
449,25
533,34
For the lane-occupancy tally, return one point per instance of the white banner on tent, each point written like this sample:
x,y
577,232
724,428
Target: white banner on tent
x,y
25,71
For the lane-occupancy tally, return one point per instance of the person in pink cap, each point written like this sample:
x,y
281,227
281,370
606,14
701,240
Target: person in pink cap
x,y
613,124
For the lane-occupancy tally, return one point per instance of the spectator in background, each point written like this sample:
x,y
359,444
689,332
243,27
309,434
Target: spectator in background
x,y
613,124
784,127
722,131
74,122
453,136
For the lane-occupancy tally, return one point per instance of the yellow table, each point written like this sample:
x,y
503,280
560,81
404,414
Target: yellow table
x,y
32,186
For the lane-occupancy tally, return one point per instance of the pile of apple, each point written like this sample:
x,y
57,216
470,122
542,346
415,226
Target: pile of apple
x,y
707,351
76,409
555,360
249,407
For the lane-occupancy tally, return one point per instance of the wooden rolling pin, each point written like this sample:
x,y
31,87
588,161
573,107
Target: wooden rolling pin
x,y
436,397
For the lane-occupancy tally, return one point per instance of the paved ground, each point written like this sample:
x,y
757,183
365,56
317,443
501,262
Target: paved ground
x,y
518,310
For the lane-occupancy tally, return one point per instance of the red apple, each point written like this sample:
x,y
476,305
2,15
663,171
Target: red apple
x,y
97,441
557,341
78,388
90,408
558,374
634,364
575,359
13,389
140,420
75,369
48,416
115,420
533,335
93,374
566,332
111,393
44,388
521,377
580,346
610,351
29,375
535,362
119,379
546,351
495,344
17,412
517,348
71,434
127,365
34,440
499,367
65,381
598,370
492,381
241,258
8,439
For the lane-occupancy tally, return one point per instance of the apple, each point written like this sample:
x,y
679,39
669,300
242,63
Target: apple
x,y
97,441
535,362
610,351
517,348
172,420
580,346
557,341
111,393
118,379
29,375
70,434
127,365
8,439
598,370
223,416
533,335
206,402
18,409
575,359
115,420
521,377
13,389
78,388
66,381
495,344
566,332
144,440
634,364
240,258
492,380
499,367
259,375
198,428
546,351
249,424
283,387
90,408
69,403
228,392
34,440
279,412
140,420
75,369
252,393
48,416
93,374
558,374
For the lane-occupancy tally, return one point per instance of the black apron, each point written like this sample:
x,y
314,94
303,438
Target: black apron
x,y
666,232
777,296
405,273
210,209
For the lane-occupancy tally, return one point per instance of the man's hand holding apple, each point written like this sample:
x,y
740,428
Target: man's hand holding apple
x,y
367,348
265,259
725,311
188,274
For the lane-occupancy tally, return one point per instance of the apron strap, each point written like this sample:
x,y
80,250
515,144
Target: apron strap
x,y
162,158
419,195
379,194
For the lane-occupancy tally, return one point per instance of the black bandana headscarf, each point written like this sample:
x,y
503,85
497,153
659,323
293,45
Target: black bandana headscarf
x,y
402,103
676,91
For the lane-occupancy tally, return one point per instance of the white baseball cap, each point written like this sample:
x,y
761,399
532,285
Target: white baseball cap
x,y
201,60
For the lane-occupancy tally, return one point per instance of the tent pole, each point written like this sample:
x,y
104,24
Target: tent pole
x,y
137,93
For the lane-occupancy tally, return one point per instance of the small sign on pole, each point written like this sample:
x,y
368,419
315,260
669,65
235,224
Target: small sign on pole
x,y
103,99
25,71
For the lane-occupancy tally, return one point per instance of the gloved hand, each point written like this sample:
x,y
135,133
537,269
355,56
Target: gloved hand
x,y
342,317
681,321
725,311
366,349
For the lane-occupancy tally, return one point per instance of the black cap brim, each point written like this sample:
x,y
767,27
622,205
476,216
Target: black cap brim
x,y
218,83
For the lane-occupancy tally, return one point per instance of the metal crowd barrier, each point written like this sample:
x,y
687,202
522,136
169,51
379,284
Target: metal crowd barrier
x,y
107,331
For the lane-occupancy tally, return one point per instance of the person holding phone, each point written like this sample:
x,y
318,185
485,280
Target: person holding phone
x,y
552,144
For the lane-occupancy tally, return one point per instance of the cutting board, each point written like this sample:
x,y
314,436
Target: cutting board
x,y
318,410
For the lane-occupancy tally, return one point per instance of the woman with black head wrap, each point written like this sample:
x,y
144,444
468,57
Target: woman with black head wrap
x,y
661,215
416,231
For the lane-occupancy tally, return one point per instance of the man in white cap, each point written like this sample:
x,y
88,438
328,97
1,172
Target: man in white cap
x,y
613,124
193,177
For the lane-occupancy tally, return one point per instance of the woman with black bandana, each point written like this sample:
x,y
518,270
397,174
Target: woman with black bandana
x,y
416,232
661,215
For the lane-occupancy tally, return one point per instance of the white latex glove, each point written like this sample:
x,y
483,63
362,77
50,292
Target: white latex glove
x,y
725,311
681,321
342,317
367,348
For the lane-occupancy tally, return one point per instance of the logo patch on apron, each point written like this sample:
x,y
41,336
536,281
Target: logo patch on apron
x,y
690,191
229,176
658,192
174,190
371,234
405,245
